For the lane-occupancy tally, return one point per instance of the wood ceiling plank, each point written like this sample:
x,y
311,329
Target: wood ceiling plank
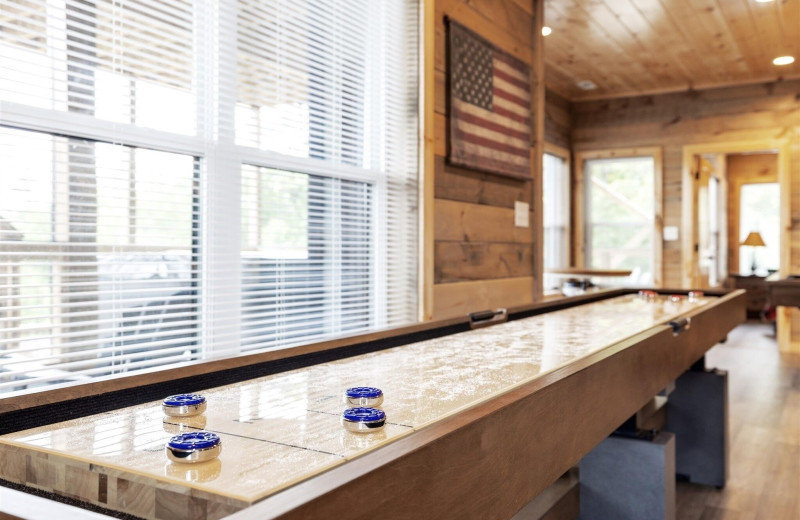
x,y
588,56
647,21
572,60
560,82
718,38
624,52
685,18
740,23
765,18
789,20
638,47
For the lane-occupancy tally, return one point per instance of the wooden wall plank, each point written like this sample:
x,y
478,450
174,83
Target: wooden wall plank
x,y
557,120
462,261
513,37
475,238
461,184
464,222
440,135
459,299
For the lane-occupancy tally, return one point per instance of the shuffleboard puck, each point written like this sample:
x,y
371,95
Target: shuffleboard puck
x,y
193,447
363,396
648,295
184,405
695,295
363,420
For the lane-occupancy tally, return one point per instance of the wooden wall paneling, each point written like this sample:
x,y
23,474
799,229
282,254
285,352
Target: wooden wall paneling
x,y
461,261
440,135
464,222
689,225
459,299
474,234
427,158
460,184
789,175
468,14
557,120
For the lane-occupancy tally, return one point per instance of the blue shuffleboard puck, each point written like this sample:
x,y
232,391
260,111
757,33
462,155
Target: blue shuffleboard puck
x,y
193,447
184,405
363,420
363,396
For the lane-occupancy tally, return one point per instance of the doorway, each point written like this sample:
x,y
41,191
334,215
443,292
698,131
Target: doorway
x,y
720,156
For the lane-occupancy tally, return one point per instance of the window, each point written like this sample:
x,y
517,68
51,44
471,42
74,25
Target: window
x,y
620,216
196,178
760,212
556,217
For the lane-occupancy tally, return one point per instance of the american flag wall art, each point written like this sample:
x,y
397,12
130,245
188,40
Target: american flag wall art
x,y
490,100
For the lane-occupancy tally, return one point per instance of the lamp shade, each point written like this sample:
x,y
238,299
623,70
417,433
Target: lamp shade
x,y
753,239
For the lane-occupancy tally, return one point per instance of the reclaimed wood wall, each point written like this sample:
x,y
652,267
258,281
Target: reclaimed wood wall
x,y
557,120
481,260
735,114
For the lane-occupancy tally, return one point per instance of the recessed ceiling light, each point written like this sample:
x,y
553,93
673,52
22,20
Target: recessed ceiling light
x,y
764,1
783,60
546,31
586,85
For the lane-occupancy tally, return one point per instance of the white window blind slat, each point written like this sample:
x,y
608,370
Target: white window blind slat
x,y
253,163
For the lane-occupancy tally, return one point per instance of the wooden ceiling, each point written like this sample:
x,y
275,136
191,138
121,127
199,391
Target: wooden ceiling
x,y
631,47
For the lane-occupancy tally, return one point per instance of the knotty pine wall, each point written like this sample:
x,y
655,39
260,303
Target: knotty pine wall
x,y
762,111
557,120
481,260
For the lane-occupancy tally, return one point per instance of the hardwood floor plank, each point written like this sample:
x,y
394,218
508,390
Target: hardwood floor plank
x,y
764,407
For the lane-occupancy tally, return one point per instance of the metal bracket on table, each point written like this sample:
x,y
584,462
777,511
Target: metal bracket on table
x,y
486,318
680,324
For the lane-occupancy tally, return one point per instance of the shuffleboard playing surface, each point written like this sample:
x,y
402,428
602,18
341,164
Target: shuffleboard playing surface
x,y
284,428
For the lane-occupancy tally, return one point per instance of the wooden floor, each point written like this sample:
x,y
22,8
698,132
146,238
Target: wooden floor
x,y
764,393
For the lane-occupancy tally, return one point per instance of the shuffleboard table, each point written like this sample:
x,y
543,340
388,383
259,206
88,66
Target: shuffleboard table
x,y
478,421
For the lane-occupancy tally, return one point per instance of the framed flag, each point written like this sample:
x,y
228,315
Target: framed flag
x,y
490,106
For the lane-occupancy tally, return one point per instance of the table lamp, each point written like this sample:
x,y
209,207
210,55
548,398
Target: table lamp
x,y
753,240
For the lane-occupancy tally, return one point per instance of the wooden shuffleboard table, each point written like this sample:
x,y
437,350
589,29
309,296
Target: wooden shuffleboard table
x,y
478,421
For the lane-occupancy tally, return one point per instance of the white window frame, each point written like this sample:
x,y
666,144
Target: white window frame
x,y
579,198
563,154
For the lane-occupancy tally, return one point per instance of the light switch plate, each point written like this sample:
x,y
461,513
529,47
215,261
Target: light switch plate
x,y
670,233
521,210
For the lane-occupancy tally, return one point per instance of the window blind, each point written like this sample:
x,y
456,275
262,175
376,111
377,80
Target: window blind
x,y
189,179
555,217
339,78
